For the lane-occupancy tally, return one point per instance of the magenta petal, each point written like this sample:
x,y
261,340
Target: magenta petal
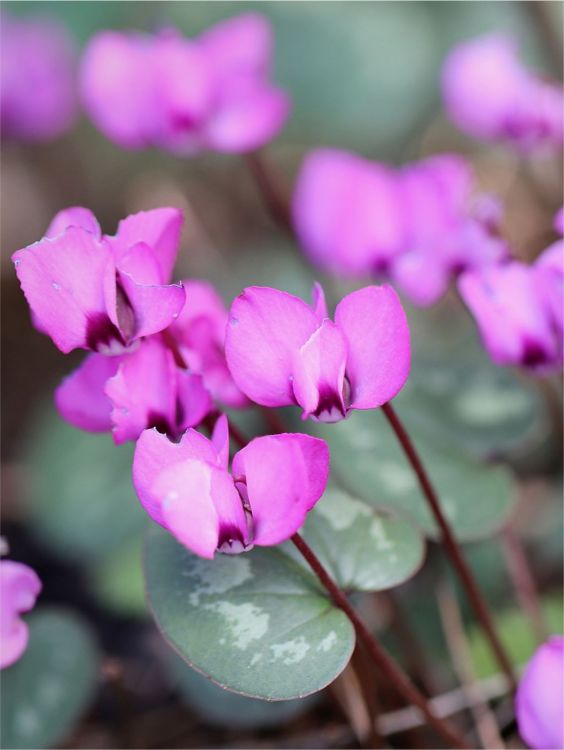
x,y
285,476
347,212
154,452
159,229
374,324
319,374
423,276
75,216
193,399
239,45
62,279
249,121
19,588
220,440
319,303
540,698
139,262
143,392
154,306
266,328
81,399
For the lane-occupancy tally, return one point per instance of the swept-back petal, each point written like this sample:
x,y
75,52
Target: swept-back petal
x,y
319,374
265,330
75,216
285,476
154,306
62,279
374,324
154,452
220,440
193,400
19,588
239,45
160,229
143,392
81,398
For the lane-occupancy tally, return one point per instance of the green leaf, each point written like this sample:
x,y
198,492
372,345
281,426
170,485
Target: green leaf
x,y
363,549
118,580
45,692
80,491
226,709
257,623
367,460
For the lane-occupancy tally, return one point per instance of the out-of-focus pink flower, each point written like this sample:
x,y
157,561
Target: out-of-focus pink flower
x,y
419,225
282,351
19,588
92,291
550,267
539,703
187,488
38,96
185,95
199,332
489,94
129,393
347,213
512,307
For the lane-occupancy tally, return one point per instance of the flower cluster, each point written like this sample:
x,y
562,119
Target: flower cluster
x,y
185,95
489,94
520,309
38,97
419,225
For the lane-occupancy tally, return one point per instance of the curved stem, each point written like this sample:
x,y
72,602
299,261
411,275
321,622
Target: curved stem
x,y
381,658
451,545
270,190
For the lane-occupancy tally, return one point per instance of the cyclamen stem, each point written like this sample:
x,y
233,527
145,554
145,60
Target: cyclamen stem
x,y
381,658
451,545
275,200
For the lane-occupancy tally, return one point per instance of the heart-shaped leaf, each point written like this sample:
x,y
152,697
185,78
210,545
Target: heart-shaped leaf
x,y
367,459
362,548
257,623
44,693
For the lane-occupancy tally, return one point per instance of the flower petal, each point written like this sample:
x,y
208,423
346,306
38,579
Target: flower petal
x,y
374,324
63,281
154,452
75,216
143,392
319,374
239,45
81,399
19,588
422,274
154,306
319,303
285,476
266,328
160,229
220,440
193,400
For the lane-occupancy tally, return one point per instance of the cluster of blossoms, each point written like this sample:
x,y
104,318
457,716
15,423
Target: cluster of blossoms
x,y
420,225
489,94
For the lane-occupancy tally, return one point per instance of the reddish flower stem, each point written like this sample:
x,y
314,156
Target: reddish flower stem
x,y
381,658
272,194
274,421
451,545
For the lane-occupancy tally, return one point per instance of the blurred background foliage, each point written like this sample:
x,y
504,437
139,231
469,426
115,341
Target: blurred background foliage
x,y
365,77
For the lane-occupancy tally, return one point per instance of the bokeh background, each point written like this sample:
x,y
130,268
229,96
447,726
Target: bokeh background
x,y
364,77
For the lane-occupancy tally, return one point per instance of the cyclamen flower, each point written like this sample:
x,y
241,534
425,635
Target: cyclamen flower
x,y
418,225
19,588
519,310
489,94
282,351
539,703
92,291
185,95
38,96
187,487
199,333
129,393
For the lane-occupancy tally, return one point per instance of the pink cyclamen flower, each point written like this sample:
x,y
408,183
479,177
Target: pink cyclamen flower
x,y
282,351
19,588
419,225
539,703
187,487
518,309
38,95
129,393
92,291
199,333
489,94
185,95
